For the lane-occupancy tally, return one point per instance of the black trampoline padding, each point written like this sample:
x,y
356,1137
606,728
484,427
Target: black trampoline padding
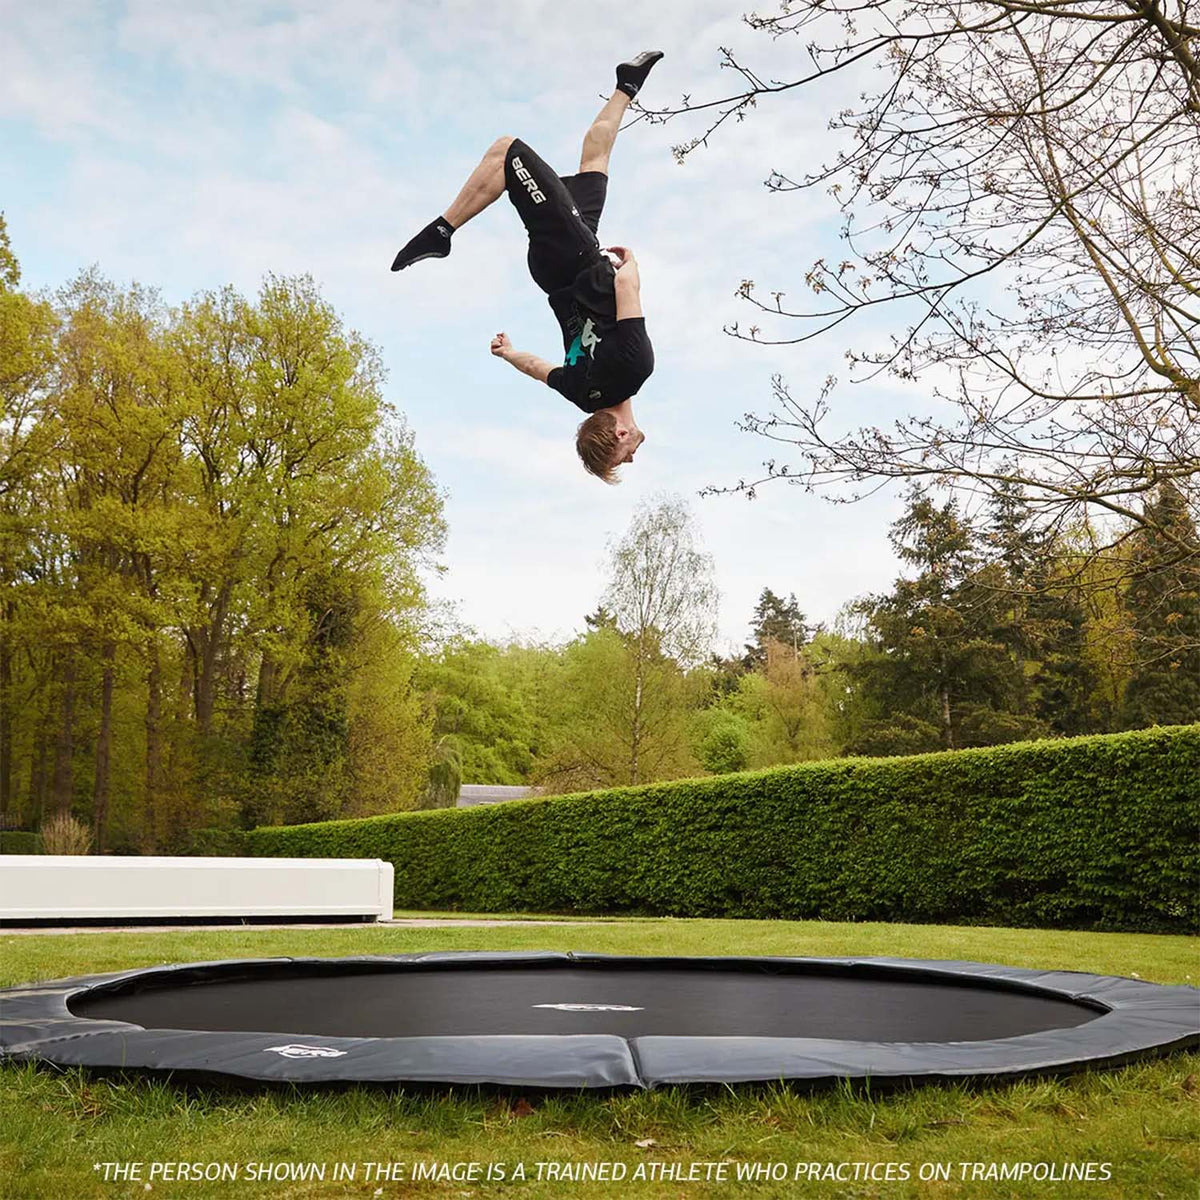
x,y
652,1001
595,1021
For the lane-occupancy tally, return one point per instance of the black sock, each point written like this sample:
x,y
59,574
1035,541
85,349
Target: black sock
x,y
432,242
632,74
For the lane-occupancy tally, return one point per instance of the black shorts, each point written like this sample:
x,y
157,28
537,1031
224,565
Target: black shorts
x,y
561,215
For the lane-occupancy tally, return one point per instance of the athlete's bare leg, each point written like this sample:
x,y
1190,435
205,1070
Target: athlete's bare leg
x,y
599,139
484,186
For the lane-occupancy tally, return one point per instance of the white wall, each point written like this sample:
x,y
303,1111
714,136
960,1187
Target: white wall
x,y
44,886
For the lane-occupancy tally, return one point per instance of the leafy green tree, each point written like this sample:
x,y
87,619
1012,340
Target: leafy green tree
x,y
1107,650
389,735
299,469
115,408
721,738
725,673
663,597
10,268
27,445
1063,680
786,706
850,706
478,701
622,715
212,533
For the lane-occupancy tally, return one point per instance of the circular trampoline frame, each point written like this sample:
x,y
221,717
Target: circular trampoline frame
x,y
1134,1020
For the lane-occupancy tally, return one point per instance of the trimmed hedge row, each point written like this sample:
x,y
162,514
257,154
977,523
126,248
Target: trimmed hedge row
x,y
20,841
1085,833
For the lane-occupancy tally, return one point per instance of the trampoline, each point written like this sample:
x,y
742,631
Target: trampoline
x,y
595,1021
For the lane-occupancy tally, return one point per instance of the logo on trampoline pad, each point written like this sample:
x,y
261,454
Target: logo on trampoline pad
x,y
592,1007
294,1051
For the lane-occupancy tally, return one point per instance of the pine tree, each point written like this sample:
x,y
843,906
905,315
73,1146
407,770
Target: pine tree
x,y
942,664
775,620
1164,602
1039,616
600,619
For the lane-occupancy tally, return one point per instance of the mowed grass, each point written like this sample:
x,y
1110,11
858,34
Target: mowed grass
x,y
1142,1121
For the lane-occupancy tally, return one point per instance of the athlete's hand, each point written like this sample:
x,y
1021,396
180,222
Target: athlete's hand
x,y
622,256
501,345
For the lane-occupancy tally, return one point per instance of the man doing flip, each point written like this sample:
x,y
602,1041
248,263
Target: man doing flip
x,y
594,293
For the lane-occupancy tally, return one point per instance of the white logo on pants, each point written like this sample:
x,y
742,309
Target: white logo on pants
x,y
522,173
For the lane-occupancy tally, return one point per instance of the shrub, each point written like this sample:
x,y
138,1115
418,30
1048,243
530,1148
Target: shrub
x,y
63,834
20,841
215,843
724,742
1086,833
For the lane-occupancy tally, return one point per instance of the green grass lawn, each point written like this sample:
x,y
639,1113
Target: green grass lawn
x,y
1142,1121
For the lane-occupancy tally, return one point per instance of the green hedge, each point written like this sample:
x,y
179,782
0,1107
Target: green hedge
x,y
1087,833
20,841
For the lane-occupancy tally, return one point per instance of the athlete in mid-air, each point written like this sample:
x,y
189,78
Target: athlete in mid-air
x,y
595,293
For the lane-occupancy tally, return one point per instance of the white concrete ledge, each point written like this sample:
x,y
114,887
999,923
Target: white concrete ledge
x,y
41,887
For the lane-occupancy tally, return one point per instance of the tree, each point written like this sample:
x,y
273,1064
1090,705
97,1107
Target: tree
x,y
625,699
212,532
119,422
1107,652
787,707
941,664
775,620
27,442
298,471
663,597
1039,613
600,619
1019,196
10,268
1062,682
661,582
1163,601
722,740
389,742
478,703
444,780
622,714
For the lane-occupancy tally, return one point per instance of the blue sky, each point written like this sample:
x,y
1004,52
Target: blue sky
x,y
189,145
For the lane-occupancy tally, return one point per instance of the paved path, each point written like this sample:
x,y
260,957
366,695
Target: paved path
x,y
399,923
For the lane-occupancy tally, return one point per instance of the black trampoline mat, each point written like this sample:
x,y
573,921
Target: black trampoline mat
x,y
414,1002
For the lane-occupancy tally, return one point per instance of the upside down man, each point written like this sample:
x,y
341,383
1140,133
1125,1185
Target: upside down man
x,y
594,293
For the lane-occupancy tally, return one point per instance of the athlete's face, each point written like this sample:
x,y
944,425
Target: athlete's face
x,y
629,447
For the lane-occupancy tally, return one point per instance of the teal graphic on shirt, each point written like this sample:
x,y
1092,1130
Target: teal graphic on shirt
x,y
585,340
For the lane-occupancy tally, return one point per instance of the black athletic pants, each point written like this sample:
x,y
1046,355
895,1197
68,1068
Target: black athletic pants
x,y
560,213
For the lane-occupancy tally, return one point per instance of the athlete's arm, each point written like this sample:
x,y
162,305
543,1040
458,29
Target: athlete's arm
x,y
526,363
628,284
